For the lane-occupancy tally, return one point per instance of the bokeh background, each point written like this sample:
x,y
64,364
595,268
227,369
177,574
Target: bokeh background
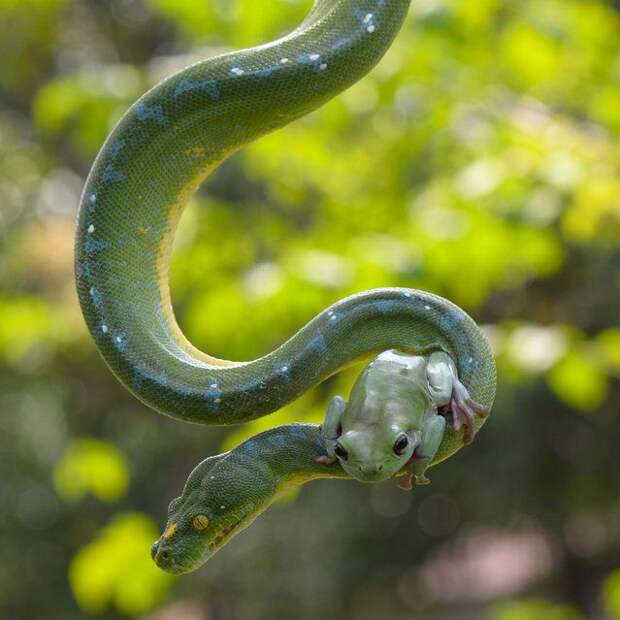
x,y
480,160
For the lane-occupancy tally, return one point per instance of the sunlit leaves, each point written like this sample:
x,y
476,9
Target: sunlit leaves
x,y
611,595
237,22
26,323
91,466
27,32
580,380
595,214
116,568
577,369
534,609
84,107
536,349
609,344
5,5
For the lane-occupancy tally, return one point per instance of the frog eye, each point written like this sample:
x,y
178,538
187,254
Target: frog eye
x,y
200,522
340,451
401,443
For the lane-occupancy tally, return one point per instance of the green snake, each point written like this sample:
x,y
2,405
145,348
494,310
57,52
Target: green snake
x,y
150,165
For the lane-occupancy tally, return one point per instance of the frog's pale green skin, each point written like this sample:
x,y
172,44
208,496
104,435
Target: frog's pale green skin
x,y
395,416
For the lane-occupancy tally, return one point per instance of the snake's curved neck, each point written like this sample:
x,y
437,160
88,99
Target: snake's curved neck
x,y
156,157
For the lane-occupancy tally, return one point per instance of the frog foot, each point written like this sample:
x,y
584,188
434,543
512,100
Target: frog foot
x,y
464,411
408,473
405,482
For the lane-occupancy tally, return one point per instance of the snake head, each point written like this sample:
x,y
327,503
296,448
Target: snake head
x,y
217,503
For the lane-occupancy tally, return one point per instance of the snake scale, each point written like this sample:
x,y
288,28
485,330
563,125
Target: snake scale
x,y
152,162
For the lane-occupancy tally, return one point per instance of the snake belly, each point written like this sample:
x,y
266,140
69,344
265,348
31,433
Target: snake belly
x,y
148,168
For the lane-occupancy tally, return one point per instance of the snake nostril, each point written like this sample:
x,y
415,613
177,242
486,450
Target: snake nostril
x,y
164,555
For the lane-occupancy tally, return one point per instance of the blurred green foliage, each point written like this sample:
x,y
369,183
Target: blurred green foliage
x,y
611,594
479,160
91,465
114,568
535,610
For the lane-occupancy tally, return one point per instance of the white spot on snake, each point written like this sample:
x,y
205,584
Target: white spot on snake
x,y
96,296
323,66
222,506
370,29
333,317
427,307
212,478
121,343
407,294
91,229
284,369
469,363
218,400
104,328
237,71
284,61
330,313
213,385
93,198
314,56
368,18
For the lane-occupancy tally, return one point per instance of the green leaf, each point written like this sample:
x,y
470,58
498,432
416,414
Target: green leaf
x,y
116,568
579,381
91,466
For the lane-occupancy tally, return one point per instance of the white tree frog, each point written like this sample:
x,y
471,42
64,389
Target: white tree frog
x,y
395,418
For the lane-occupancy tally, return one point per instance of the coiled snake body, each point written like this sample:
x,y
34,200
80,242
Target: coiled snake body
x,y
152,162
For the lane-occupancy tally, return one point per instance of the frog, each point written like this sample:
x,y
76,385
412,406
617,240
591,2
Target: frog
x,y
396,417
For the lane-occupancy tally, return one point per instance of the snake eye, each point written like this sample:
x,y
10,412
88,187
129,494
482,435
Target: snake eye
x,y
340,451
200,522
400,445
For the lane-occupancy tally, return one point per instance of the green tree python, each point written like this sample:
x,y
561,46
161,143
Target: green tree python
x,y
152,162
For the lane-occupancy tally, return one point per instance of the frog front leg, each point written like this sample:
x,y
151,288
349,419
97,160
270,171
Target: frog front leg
x,y
449,393
433,430
331,428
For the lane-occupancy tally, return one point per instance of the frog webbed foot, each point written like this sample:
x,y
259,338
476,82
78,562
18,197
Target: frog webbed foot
x,y
414,471
464,411
405,482
326,460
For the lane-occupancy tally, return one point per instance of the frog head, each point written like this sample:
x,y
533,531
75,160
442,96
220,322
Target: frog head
x,y
373,456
